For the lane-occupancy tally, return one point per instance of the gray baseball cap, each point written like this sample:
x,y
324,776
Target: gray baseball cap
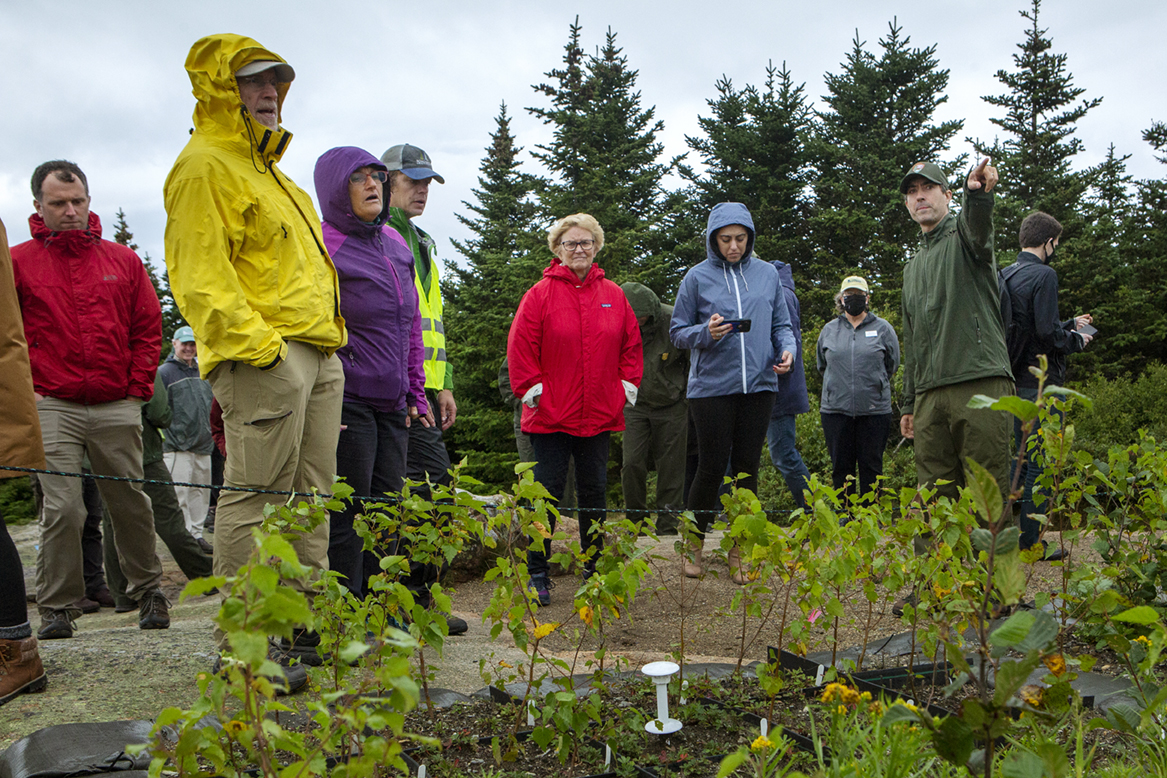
x,y
411,161
926,170
283,70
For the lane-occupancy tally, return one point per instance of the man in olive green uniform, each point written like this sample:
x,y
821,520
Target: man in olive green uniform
x,y
952,336
657,425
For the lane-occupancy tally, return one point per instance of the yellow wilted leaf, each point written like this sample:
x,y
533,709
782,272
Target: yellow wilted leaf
x,y
542,528
585,615
1056,664
502,663
234,726
543,630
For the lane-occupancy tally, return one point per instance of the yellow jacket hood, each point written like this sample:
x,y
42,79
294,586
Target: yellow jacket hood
x,y
212,64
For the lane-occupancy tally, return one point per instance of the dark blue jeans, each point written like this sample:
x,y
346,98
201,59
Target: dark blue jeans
x,y
784,454
552,450
371,457
1030,472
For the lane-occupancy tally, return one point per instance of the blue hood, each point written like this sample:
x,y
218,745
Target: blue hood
x,y
331,177
741,362
723,215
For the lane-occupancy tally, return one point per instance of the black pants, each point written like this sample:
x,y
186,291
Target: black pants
x,y
552,451
13,607
856,441
730,432
371,457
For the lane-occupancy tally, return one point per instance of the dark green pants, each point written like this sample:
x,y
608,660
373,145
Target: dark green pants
x,y
659,435
169,523
948,432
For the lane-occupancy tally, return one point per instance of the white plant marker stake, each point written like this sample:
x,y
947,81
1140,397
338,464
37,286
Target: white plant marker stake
x,y
818,679
421,771
660,672
765,727
684,688
530,713
607,755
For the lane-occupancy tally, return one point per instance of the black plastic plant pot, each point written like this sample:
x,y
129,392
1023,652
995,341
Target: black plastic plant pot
x,y
935,673
413,755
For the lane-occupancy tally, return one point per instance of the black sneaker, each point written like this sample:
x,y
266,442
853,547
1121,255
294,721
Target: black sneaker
x,y
55,625
540,588
153,610
302,646
457,626
295,675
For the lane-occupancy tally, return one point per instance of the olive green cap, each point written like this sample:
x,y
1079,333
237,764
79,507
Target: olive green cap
x,y
927,170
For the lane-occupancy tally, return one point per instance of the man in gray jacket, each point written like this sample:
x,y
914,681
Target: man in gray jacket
x,y
188,443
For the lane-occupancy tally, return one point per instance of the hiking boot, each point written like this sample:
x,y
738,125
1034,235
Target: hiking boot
x,y
295,675
898,608
457,626
302,646
103,597
86,605
21,670
207,548
153,610
691,560
55,625
736,573
540,588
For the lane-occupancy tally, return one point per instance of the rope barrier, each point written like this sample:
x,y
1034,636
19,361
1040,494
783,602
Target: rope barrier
x,y
283,493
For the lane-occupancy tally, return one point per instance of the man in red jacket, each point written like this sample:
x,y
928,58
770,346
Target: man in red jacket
x,y
94,329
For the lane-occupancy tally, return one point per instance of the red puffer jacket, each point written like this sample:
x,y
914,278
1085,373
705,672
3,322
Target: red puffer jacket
x,y
91,316
579,339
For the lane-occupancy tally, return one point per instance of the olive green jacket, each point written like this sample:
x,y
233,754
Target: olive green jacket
x,y
952,329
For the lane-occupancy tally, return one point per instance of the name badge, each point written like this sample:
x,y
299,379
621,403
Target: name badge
x,y
871,334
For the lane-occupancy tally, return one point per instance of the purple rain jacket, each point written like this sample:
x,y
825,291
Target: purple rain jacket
x,y
383,358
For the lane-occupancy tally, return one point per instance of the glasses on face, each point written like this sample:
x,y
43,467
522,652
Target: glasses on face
x,y
258,80
572,245
377,175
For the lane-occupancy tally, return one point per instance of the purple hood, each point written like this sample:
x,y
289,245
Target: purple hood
x,y
383,360
331,178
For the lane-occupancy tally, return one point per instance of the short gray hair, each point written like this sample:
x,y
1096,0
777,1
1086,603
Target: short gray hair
x,y
581,220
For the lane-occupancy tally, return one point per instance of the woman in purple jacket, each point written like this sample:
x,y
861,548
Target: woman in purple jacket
x,y
384,386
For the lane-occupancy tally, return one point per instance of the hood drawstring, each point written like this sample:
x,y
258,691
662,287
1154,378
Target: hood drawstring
x,y
725,275
253,142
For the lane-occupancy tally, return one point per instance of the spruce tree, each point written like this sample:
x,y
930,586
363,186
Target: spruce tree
x,y
503,260
171,318
754,149
603,160
878,121
1042,109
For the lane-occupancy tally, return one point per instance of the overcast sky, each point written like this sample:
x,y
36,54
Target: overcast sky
x,y
102,83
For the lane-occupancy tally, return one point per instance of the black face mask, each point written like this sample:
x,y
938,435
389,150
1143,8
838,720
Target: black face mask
x,y
1049,254
854,304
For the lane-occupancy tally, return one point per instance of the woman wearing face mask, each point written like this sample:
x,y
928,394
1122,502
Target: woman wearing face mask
x,y
858,354
384,386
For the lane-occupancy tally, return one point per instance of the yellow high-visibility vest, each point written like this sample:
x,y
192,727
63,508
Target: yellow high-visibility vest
x,y
433,334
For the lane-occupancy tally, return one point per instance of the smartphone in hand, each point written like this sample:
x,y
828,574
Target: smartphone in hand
x,y
739,325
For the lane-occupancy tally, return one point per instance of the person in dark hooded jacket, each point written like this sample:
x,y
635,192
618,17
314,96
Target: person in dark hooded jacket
x,y
657,425
734,366
791,401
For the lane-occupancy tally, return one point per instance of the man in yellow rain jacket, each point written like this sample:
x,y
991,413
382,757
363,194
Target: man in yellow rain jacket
x,y
250,273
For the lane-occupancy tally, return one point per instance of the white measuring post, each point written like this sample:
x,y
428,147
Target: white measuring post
x,y
421,771
765,727
660,672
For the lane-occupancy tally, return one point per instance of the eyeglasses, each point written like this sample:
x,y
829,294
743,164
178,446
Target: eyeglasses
x,y
259,80
377,175
572,245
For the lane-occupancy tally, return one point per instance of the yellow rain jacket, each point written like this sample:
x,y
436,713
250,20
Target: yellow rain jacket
x,y
244,250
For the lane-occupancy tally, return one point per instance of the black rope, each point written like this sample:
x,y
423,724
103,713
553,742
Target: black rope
x,y
387,499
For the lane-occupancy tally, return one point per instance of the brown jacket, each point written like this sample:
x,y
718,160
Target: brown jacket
x,y
20,427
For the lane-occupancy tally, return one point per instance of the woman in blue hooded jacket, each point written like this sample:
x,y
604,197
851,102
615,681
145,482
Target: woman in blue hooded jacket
x,y
384,387
731,314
